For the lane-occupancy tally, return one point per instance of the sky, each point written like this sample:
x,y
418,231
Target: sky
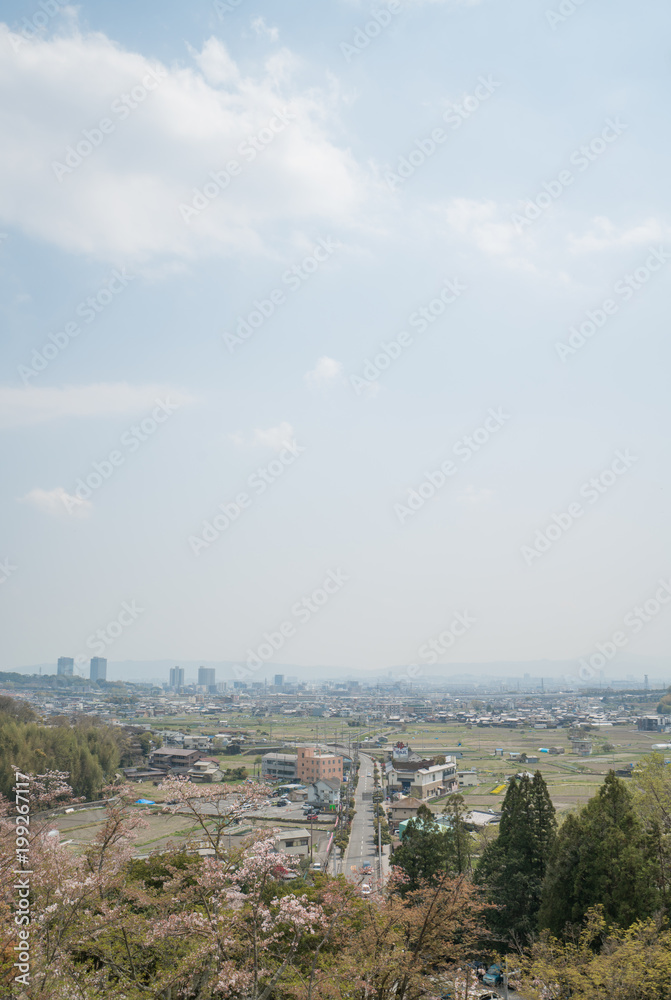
x,y
334,333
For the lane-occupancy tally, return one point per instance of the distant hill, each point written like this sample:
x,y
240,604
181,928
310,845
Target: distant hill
x,y
564,672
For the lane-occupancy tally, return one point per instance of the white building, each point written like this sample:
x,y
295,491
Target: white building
x,y
279,766
197,742
324,791
425,782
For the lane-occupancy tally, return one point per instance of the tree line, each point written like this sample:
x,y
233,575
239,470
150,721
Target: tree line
x,y
88,752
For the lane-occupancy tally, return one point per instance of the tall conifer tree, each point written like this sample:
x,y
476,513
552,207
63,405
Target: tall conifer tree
x,y
513,867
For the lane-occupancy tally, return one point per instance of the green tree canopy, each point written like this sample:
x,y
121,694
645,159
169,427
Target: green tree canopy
x,y
602,856
513,867
430,849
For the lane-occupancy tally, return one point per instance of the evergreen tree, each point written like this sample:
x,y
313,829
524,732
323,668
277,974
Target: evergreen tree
x,y
602,857
424,850
513,867
459,839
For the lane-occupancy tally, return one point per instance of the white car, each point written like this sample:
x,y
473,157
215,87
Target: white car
x,y
365,889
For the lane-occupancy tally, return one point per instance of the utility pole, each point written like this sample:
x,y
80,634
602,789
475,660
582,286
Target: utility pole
x,y
379,850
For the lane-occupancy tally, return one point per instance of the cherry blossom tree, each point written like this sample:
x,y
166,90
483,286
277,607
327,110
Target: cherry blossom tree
x,y
215,812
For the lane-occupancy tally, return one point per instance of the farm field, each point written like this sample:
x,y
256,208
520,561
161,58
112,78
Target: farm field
x,y
571,779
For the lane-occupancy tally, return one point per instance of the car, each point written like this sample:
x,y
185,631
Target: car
x,y
281,802
493,976
365,889
368,774
367,866
316,866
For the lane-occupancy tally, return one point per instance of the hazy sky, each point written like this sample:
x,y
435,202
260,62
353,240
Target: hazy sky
x,y
287,293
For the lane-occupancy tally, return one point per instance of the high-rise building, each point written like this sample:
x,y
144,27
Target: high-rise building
x,y
176,677
207,678
98,668
279,680
66,666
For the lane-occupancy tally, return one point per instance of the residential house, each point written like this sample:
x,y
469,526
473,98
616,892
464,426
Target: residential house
x,y
324,792
295,842
175,761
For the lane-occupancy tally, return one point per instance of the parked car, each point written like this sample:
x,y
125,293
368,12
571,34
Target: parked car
x,y
281,802
493,976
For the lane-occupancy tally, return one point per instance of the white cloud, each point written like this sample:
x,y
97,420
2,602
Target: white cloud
x,y
57,503
605,235
481,222
276,438
324,371
20,407
261,28
123,200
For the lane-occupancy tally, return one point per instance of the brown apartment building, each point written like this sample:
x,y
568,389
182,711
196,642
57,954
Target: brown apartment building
x,y
314,763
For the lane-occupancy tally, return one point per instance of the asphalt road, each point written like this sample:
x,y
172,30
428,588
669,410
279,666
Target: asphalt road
x,y
361,846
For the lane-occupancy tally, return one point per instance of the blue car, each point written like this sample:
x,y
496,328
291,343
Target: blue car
x,y
493,976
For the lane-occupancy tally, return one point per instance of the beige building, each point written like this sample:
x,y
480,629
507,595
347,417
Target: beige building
x,y
314,763
295,842
405,809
